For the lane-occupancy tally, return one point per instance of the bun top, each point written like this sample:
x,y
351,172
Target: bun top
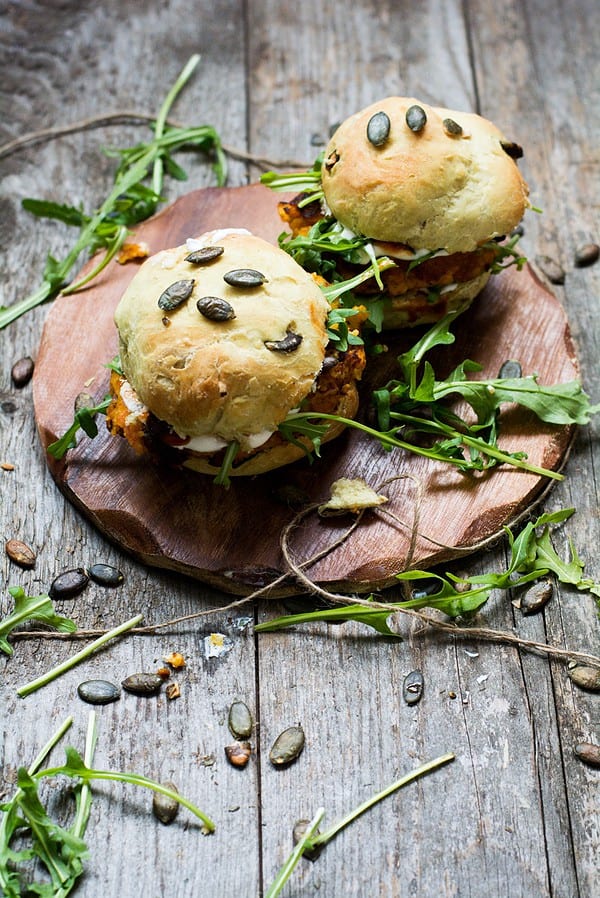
x,y
428,188
230,377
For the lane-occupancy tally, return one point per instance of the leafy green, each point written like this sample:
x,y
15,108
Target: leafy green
x,y
60,850
312,839
308,182
532,557
416,402
129,201
84,419
28,608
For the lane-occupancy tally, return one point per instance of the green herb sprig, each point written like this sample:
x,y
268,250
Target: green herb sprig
x,y
129,201
532,557
60,850
31,608
312,840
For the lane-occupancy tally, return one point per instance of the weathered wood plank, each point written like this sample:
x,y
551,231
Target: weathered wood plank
x,y
514,814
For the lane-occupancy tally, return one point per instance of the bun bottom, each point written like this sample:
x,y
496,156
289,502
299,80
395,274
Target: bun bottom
x,y
279,453
413,308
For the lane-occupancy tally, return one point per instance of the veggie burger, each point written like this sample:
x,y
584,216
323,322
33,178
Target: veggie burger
x,y
221,341
437,191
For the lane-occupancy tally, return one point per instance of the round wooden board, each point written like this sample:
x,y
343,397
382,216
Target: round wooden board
x,y
180,520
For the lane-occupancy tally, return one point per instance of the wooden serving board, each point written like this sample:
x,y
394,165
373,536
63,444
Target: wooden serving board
x,y
180,520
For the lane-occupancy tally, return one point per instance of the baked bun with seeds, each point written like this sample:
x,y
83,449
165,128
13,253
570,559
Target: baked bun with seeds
x,y
219,340
450,185
437,191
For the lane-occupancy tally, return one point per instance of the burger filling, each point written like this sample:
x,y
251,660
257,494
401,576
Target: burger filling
x,y
128,417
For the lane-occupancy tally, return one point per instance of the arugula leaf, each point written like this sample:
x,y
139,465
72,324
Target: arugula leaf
x,y
532,557
39,608
128,202
60,850
84,419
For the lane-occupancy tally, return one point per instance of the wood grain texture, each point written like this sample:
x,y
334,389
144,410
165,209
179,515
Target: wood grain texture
x,y
203,530
515,814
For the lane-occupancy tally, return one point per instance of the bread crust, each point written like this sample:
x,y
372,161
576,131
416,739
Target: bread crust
x,y
428,190
219,377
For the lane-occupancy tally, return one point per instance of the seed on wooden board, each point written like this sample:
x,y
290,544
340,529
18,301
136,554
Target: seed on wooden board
x,y
536,597
164,807
587,254
512,149
551,268
378,129
586,677
300,827
412,687
287,747
452,128
205,255
20,553
290,342
244,277
240,720
22,371
510,369
238,753
416,118
69,584
98,692
142,683
106,575
174,295
215,308
588,753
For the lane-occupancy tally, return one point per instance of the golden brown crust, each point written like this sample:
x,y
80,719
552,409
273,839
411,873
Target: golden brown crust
x,y
220,377
428,190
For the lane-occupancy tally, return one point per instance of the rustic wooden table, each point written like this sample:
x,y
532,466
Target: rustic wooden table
x,y
516,813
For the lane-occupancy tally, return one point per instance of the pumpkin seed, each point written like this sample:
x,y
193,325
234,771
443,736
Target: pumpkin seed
x,y
287,747
290,342
106,575
412,687
238,753
416,118
586,677
205,255
510,369
22,371
244,277
300,827
164,807
20,553
536,597
378,129
215,309
174,295
240,720
331,160
142,683
587,254
452,128
98,692
588,753
69,584
512,149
